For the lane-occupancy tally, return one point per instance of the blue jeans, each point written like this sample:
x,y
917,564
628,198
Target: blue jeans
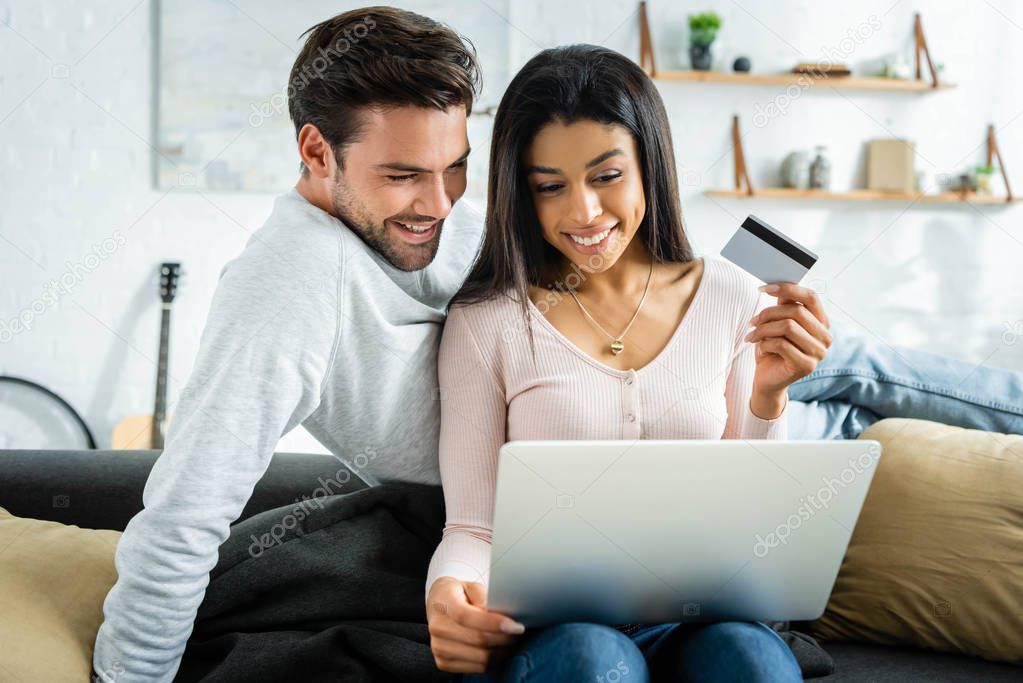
x,y
863,380
594,653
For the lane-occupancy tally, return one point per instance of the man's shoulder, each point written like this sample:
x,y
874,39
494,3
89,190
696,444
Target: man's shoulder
x,y
298,233
296,254
462,236
467,217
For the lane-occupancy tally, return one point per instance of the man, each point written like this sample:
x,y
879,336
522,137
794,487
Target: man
x,y
329,318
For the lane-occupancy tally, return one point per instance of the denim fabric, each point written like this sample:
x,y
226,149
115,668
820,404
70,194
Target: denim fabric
x,y
863,380
580,652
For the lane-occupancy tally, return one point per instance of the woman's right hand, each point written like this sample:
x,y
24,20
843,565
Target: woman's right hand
x,y
463,632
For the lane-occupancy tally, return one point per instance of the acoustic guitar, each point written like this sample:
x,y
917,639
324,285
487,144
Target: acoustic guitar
x,y
147,431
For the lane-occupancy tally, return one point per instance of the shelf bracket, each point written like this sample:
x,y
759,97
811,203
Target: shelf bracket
x,y
992,152
921,45
741,174
646,45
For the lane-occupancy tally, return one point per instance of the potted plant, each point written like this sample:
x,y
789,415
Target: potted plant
x,y
703,29
983,175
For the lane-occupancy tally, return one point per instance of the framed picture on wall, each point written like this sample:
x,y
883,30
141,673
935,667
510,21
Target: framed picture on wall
x,y
222,68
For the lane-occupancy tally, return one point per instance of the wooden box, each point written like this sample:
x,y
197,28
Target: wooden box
x,y
891,165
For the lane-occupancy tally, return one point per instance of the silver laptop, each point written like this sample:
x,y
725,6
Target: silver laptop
x,y
621,532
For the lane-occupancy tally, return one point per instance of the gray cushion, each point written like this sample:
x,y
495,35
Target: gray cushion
x,y
103,489
866,662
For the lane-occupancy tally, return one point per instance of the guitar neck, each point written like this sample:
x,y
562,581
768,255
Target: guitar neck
x,y
160,405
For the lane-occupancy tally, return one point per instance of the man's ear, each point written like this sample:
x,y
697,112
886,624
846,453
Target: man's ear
x,y
316,153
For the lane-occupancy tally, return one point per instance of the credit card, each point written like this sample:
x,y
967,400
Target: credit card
x,y
765,253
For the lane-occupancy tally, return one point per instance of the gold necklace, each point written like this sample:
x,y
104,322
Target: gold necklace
x,y
616,342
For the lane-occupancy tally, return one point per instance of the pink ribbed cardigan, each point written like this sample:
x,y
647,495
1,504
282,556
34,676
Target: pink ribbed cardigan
x,y
491,391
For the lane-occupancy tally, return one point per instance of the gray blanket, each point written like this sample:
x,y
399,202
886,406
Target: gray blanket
x,y
329,589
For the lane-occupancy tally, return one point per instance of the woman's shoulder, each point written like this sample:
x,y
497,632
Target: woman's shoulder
x,y
730,293
727,281
497,305
483,329
487,319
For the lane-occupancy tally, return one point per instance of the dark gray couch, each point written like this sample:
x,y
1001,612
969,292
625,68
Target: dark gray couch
x,y
103,490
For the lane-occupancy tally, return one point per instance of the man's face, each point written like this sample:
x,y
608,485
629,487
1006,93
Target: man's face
x,y
400,180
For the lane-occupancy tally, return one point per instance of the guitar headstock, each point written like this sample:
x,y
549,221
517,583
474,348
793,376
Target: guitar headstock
x,y
169,274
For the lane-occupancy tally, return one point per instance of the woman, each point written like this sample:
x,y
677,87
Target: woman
x,y
588,317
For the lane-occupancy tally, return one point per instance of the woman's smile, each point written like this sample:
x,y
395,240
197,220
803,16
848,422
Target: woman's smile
x,y
593,240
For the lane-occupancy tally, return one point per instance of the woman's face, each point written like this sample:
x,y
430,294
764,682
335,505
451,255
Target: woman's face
x,y
587,187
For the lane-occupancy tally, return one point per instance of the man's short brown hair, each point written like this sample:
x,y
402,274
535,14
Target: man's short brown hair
x,y
377,57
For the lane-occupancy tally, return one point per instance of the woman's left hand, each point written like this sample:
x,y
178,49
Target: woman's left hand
x,y
791,338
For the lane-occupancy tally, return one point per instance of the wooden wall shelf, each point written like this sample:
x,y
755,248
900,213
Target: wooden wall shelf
x,y
861,196
800,81
744,186
648,61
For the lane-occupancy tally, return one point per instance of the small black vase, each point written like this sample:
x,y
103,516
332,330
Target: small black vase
x,y
699,57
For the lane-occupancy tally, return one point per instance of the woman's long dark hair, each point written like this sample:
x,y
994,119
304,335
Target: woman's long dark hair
x,y
569,84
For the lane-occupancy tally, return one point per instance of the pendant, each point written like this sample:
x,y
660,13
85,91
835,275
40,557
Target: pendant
x,y
617,347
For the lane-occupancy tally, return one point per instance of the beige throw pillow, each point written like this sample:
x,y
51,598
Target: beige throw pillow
x,y
936,558
53,580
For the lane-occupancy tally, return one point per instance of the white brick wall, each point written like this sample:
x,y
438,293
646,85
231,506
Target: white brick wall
x,y
75,135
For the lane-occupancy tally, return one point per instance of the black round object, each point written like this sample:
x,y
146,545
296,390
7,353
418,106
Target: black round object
x,y
741,64
33,417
